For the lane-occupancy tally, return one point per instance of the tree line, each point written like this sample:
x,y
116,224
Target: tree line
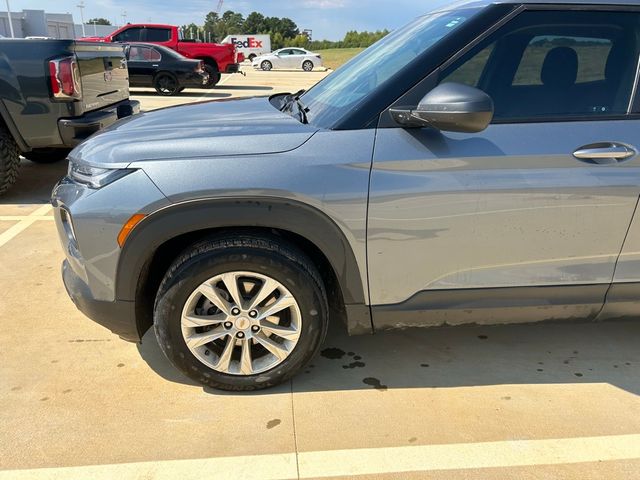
x,y
284,31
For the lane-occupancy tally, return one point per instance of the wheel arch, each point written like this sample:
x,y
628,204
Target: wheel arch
x,y
162,236
7,122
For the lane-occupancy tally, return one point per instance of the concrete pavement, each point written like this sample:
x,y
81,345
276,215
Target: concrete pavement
x,y
512,402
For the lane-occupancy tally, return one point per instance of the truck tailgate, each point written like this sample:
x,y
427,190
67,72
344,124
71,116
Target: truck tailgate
x,y
103,73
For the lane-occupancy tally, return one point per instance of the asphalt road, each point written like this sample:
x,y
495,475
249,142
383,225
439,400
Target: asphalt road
x,y
512,402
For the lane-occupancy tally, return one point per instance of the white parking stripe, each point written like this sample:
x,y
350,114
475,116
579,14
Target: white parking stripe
x,y
25,223
370,461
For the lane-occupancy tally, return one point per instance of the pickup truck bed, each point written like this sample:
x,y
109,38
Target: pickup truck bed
x,y
54,94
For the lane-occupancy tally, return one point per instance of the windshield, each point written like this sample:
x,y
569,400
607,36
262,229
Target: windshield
x,y
343,90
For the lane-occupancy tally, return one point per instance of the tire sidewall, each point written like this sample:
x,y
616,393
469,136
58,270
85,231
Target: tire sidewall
x,y
214,75
156,84
201,268
307,62
267,66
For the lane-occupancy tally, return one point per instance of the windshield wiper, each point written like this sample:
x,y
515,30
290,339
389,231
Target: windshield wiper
x,y
292,100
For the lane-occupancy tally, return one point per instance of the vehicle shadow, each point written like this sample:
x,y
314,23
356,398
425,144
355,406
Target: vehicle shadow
x,y
35,183
245,87
191,93
461,357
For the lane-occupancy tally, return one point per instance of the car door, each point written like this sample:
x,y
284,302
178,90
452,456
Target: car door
x,y
143,64
287,58
524,221
297,58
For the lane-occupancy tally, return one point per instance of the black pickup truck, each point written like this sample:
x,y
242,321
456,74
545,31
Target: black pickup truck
x,y
53,95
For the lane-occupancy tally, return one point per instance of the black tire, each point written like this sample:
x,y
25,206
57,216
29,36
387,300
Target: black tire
x,y
214,75
307,66
268,256
9,160
252,57
47,155
266,66
166,84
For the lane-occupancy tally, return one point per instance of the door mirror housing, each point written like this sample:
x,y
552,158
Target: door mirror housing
x,y
450,107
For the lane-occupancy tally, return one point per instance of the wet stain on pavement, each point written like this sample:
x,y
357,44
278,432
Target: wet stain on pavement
x,y
483,337
332,353
375,383
68,390
120,365
425,365
354,365
15,389
44,399
413,440
273,423
578,374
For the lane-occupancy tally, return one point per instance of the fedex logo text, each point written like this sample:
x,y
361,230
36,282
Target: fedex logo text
x,y
250,42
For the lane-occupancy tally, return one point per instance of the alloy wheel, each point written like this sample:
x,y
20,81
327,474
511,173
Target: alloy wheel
x,y
241,323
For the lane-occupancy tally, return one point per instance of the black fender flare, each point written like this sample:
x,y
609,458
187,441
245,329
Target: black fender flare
x,y
201,215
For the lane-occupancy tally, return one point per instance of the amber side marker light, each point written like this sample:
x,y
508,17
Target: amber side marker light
x,y
128,227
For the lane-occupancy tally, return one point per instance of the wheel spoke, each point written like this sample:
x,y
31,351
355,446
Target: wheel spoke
x,y
268,287
199,339
193,320
279,351
225,358
214,296
288,333
282,303
230,280
246,363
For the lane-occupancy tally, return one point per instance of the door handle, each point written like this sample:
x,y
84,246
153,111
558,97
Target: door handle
x,y
605,153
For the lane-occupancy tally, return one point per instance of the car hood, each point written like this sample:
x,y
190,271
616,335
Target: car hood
x,y
203,130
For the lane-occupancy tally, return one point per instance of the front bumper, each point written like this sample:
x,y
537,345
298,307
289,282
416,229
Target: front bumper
x,y
118,316
75,130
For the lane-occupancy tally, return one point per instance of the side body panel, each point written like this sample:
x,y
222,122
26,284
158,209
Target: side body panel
x,y
507,208
329,173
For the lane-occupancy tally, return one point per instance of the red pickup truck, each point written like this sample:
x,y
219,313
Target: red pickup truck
x,y
217,58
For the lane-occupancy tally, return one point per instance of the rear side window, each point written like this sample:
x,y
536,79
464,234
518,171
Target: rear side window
x,y
556,65
158,34
129,35
143,54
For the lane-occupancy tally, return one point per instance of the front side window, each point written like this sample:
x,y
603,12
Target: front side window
x,y
556,65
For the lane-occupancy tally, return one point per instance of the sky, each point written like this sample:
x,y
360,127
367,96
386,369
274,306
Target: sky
x,y
329,19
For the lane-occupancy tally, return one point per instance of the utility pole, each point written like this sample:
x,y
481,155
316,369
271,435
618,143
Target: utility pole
x,y
10,23
81,7
124,18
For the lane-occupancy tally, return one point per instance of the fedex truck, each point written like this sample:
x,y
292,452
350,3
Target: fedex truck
x,y
251,46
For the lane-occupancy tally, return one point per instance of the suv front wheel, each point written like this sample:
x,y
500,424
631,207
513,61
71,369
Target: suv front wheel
x,y
241,313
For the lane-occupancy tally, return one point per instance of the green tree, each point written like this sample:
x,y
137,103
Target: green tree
x,y
255,23
98,21
231,23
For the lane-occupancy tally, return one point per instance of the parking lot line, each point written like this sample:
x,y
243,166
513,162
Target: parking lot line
x,y
24,223
371,461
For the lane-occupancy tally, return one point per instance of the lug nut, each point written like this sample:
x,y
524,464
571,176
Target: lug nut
x,y
240,335
253,314
235,311
228,325
255,329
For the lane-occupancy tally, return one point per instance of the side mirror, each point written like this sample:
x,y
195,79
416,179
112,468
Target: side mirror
x,y
450,107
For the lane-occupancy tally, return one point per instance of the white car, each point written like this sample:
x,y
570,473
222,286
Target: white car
x,y
288,58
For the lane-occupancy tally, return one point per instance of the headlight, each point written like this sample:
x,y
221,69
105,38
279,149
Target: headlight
x,y
95,177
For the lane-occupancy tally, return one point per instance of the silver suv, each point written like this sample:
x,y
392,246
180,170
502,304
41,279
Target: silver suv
x,y
477,166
